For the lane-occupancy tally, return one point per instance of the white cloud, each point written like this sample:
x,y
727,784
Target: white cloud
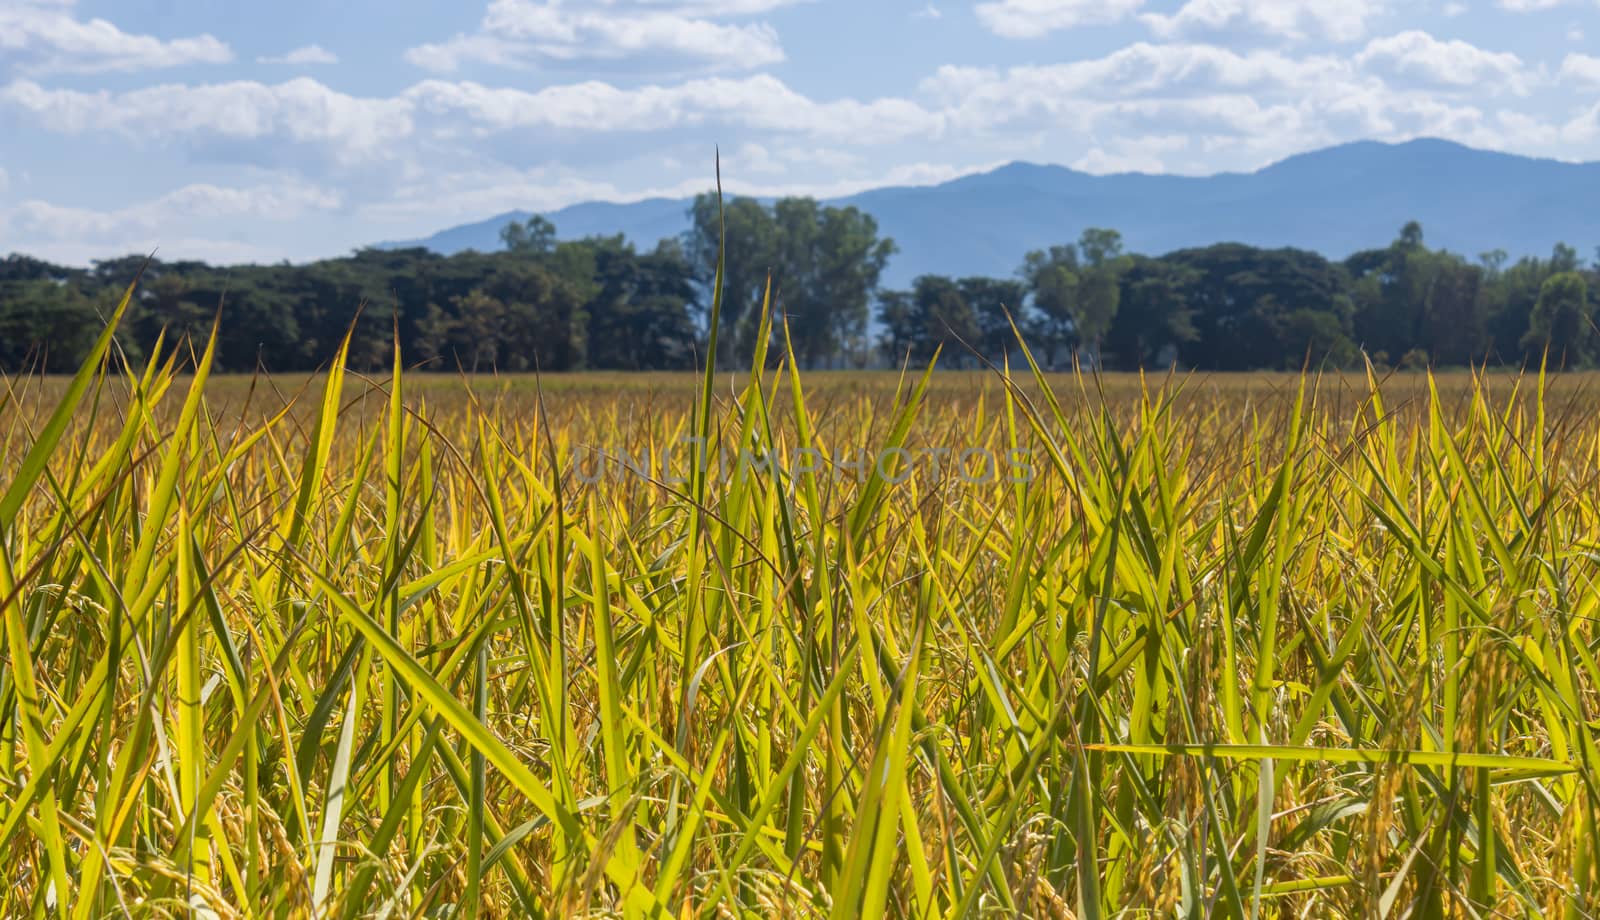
x,y
761,103
1035,18
1418,55
1336,20
200,201
429,201
928,12
1584,129
446,150
450,55
281,125
1239,110
310,54
300,111
1141,71
461,195
698,7
1138,154
43,36
518,33
1249,108
1581,69
176,222
752,159
1529,6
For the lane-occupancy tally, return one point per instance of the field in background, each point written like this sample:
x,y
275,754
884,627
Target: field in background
x,y
1237,646
1241,393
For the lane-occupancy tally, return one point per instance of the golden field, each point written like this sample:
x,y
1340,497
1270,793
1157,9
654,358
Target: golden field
x,y
383,645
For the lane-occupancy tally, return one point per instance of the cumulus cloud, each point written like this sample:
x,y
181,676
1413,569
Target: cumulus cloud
x,y
300,111
44,36
1238,109
304,124
454,53
901,175
1147,154
517,33
1260,100
761,103
1222,96
1141,71
1583,129
755,159
268,202
1454,63
176,222
1582,69
766,161
463,194
700,7
447,149
310,54
1340,21
1035,18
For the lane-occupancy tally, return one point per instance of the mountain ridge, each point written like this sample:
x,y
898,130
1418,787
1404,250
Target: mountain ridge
x,y
1335,200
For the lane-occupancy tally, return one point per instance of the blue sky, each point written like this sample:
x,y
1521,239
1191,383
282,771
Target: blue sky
x,y
294,130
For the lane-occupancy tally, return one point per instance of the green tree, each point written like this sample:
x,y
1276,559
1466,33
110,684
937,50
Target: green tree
x,y
600,302
1563,321
1509,301
751,241
990,300
1242,298
897,313
1316,337
1390,292
466,334
1154,317
1078,289
545,322
827,267
45,325
521,318
1052,279
824,264
535,236
1454,319
18,267
1493,262
1099,297
639,316
1098,246
932,314
1564,258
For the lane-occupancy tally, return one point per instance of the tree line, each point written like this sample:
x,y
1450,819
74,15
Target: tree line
x,y
603,303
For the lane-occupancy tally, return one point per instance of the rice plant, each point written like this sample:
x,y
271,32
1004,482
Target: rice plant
x,y
394,646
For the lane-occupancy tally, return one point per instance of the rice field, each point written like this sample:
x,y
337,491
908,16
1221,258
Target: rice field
x,y
919,645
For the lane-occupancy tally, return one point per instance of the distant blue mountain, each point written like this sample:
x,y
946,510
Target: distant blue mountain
x,y
1334,201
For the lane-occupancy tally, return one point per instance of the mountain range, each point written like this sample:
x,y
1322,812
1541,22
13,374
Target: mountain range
x,y
1335,201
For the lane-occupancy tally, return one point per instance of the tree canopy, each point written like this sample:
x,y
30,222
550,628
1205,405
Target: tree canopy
x,y
552,304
